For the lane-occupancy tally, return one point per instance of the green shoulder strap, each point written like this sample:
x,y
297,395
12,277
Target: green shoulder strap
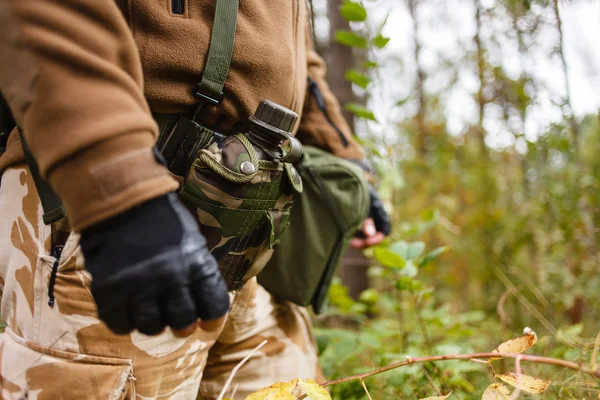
x,y
51,203
220,53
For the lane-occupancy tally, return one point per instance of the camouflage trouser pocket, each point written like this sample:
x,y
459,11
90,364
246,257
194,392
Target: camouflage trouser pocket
x,y
27,368
243,204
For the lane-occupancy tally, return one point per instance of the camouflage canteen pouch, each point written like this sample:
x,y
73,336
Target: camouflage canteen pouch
x,y
243,205
326,216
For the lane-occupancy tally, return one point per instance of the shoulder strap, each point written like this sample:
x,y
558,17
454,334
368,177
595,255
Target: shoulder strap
x,y
220,53
51,203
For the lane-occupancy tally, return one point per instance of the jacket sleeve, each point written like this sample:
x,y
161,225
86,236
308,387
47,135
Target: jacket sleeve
x,y
71,74
323,124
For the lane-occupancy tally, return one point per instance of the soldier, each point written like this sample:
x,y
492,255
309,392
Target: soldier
x,y
87,80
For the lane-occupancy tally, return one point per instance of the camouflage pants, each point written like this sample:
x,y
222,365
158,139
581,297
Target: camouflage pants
x,y
64,351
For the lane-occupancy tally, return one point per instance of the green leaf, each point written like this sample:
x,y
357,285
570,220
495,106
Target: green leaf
x,y
358,78
360,111
414,250
350,39
400,248
404,283
370,65
353,12
432,256
388,258
381,41
369,297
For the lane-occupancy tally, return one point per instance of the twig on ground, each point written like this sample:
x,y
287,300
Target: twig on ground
x,y
431,382
236,369
537,359
366,390
595,352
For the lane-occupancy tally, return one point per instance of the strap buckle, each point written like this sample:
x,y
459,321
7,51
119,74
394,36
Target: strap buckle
x,y
204,100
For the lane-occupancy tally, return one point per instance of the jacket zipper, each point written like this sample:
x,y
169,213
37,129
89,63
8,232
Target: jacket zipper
x,y
56,253
321,104
178,7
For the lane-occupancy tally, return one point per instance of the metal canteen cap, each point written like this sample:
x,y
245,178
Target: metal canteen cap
x,y
276,116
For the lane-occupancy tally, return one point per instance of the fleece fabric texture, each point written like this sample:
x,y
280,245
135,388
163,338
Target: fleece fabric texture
x,y
82,77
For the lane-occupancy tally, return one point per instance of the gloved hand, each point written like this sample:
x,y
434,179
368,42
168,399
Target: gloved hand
x,y
151,268
376,227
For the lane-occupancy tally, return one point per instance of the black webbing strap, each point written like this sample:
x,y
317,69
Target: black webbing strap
x,y
7,124
51,203
220,53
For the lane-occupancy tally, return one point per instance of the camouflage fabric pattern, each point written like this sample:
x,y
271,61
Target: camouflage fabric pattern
x,y
243,205
64,351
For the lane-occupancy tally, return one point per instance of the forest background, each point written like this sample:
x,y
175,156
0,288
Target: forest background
x,y
482,119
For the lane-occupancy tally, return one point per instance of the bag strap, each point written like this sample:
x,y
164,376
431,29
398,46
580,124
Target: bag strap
x,y
220,53
51,203
7,124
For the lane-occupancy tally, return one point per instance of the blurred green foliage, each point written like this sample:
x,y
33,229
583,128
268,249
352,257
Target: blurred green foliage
x,y
486,242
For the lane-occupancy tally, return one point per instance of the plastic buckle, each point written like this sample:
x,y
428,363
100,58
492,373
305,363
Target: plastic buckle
x,y
204,100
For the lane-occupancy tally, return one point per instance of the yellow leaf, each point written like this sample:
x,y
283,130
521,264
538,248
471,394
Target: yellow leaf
x,y
496,391
313,390
525,382
519,345
438,397
275,389
281,396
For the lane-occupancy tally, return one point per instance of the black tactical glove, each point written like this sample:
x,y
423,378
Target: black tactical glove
x,y
378,214
151,268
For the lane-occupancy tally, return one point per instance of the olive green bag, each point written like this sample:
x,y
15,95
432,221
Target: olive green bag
x,y
324,218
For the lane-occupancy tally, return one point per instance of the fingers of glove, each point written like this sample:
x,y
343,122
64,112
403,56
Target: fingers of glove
x,y
212,299
116,318
185,332
146,317
179,309
213,324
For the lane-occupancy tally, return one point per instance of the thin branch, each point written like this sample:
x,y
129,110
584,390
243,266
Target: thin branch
x,y
366,390
595,352
409,361
431,382
517,392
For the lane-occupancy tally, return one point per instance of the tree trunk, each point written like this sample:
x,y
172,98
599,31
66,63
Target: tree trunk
x,y
339,59
420,79
572,120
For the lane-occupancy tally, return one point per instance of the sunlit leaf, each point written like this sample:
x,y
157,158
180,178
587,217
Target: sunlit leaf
x,y
352,11
527,340
360,111
438,397
350,39
400,248
388,258
313,390
496,391
526,383
415,250
277,391
358,78
281,396
370,64
381,41
429,258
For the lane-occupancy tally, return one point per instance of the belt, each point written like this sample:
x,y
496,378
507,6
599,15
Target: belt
x,y
180,139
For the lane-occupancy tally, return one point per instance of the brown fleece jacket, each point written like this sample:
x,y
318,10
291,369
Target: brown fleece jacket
x,y
81,77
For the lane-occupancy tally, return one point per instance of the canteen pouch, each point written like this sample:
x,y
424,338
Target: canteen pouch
x,y
326,216
243,201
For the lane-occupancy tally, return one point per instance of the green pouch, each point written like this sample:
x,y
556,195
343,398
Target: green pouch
x,y
325,217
